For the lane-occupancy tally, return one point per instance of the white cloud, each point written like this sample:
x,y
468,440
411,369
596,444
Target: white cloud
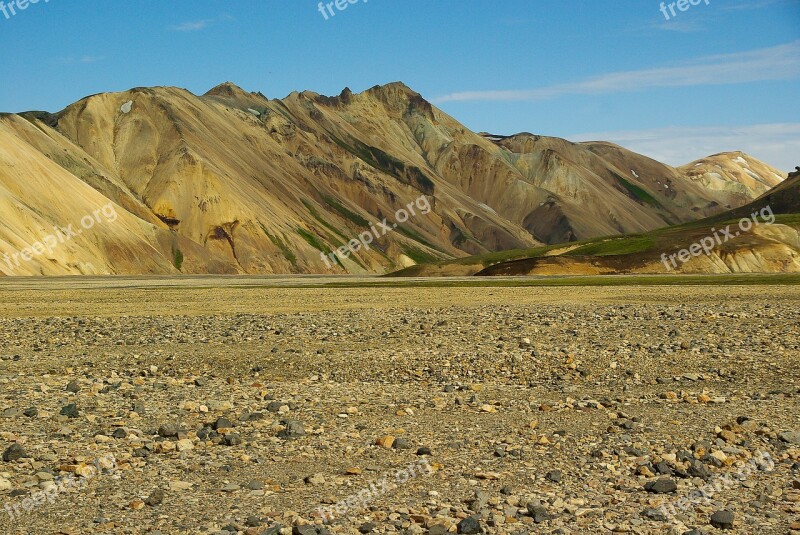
x,y
780,62
191,26
775,144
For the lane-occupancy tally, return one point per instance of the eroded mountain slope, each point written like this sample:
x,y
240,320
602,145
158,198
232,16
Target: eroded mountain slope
x,y
234,182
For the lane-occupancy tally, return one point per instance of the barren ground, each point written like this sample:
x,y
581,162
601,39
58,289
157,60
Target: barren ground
x,y
538,410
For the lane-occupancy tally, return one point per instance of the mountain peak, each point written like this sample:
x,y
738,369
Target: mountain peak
x,y
393,88
227,89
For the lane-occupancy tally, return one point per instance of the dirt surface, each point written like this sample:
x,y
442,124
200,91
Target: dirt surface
x,y
469,410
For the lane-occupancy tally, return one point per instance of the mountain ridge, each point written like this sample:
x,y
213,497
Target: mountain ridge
x,y
234,182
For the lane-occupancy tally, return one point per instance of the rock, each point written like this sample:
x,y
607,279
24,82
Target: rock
x,y
234,439
5,484
293,429
722,519
11,413
305,529
169,430
156,498
73,387
424,451
70,411
470,525
654,514
253,521
481,499
698,469
385,441
367,527
31,412
402,443
13,453
275,406
180,486
554,476
315,479
538,513
791,437
219,406
663,469
661,486
222,423
254,484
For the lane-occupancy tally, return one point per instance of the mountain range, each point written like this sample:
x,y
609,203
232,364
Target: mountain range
x,y
234,182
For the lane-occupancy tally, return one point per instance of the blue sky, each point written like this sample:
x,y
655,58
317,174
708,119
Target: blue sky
x,y
718,76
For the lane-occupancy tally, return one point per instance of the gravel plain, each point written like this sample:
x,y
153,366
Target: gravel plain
x,y
208,408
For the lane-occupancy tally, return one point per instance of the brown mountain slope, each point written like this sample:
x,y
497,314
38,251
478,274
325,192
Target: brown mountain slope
x,y
233,182
760,237
604,189
37,194
736,177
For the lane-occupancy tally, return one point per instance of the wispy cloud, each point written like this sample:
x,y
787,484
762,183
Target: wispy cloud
x,y
192,26
777,144
679,26
199,25
780,62
82,59
755,4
